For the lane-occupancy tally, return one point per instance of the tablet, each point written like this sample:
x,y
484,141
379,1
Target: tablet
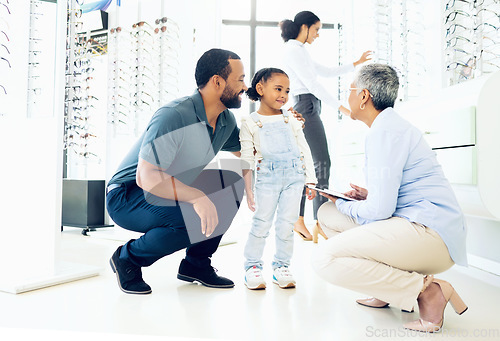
x,y
332,193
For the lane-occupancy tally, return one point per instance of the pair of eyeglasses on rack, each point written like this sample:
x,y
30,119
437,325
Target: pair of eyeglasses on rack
x,y
6,61
81,62
76,26
117,121
6,7
140,102
115,30
167,30
144,44
141,24
84,135
487,11
451,4
80,72
143,69
461,13
88,155
460,29
141,33
77,13
116,106
5,47
489,55
145,54
169,87
166,20
465,67
453,15
5,35
454,41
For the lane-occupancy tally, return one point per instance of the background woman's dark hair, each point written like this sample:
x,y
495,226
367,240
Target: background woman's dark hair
x,y
213,62
261,76
291,29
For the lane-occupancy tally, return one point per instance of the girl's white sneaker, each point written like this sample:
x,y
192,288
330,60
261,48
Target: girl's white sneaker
x,y
283,277
254,279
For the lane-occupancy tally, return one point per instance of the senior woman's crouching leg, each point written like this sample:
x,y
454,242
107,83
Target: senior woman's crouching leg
x,y
387,259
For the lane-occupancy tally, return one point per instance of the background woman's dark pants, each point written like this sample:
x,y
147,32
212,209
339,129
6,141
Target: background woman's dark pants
x,y
169,226
310,107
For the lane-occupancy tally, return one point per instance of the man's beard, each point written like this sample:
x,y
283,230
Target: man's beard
x,y
229,99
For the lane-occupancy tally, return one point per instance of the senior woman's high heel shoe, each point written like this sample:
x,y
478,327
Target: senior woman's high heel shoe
x,y
299,224
450,295
373,302
318,230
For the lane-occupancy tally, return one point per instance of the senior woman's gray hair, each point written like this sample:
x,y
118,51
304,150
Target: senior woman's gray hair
x,y
381,81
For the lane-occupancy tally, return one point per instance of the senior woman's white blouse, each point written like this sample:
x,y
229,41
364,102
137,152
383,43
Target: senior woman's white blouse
x,y
405,180
303,73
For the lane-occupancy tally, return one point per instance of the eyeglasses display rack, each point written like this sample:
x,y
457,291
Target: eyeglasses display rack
x,y
471,39
80,114
6,71
400,42
40,64
27,59
342,79
143,72
383,29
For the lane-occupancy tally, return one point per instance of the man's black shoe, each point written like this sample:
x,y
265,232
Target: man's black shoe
x,y
206,276
129,276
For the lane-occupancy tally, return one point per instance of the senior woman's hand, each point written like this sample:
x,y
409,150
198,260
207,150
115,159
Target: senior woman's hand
x,y
357,192
332,198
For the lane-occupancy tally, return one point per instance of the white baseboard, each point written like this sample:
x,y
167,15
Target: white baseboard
x,y
64,272
484,264
483,269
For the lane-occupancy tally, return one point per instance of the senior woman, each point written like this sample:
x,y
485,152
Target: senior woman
x,y
407,224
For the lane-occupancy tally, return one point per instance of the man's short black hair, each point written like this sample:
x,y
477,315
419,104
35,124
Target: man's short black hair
x,y
213,62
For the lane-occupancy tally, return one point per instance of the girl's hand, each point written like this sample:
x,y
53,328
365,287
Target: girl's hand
x,y
311,193
298,116
251,201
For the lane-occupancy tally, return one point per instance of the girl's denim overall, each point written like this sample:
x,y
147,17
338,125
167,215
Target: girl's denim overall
x,y
280,178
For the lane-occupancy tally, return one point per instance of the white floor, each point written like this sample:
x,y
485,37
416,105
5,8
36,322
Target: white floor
x,y
95,309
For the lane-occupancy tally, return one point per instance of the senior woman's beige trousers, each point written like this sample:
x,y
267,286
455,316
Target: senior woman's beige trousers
x,y
387,259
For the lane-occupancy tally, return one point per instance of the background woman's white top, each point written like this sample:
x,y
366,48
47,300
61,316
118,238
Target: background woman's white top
x,y
303,73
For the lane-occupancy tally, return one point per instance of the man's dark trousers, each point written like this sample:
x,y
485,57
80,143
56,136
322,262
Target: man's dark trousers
x,y
169,226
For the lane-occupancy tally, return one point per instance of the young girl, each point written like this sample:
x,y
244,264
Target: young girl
x,y
275,145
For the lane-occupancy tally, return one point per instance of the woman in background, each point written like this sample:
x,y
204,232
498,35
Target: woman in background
x,y
309,93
